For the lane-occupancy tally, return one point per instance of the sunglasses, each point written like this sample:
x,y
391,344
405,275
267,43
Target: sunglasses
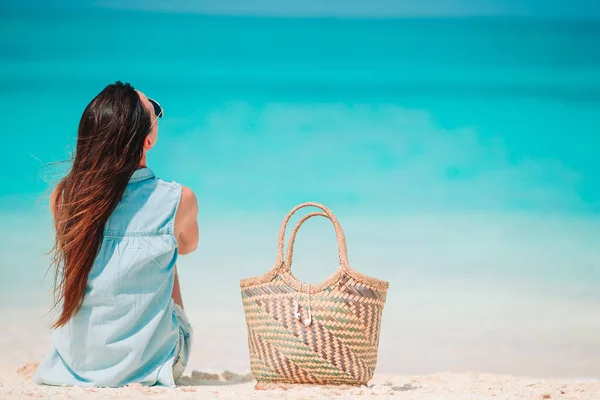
x,y
158,110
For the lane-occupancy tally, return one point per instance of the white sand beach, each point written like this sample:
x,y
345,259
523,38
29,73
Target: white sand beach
x,y
441,338
15,383
546,349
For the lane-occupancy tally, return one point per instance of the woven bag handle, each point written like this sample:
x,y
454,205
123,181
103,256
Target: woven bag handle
x,y
339,233
290,248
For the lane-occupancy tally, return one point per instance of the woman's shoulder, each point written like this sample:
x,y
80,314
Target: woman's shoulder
x,y
187,212
187,196
173,185
188,203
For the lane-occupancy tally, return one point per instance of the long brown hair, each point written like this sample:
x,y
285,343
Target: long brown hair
x,y
109,149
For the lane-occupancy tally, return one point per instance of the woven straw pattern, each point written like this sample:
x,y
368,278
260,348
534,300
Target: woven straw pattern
x,y
339,343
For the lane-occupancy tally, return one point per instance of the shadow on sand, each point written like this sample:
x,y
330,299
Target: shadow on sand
x,y
198,378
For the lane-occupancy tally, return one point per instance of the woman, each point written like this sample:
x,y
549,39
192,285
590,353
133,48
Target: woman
x,y
119,230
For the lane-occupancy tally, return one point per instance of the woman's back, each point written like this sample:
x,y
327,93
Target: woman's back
x,y
126,330
119,230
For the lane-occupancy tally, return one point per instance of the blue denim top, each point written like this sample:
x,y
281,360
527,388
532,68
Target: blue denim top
x,y
126,330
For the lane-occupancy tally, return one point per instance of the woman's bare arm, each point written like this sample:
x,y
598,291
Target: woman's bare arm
x,y
186,222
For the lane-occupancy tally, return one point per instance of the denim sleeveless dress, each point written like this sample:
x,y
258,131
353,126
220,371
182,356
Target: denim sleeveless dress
x,y
128,329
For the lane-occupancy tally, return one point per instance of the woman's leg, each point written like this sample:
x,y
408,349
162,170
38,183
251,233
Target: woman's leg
x,y
176,295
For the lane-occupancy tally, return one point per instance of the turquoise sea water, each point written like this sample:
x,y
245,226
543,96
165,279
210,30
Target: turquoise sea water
x,y
459,154
524,88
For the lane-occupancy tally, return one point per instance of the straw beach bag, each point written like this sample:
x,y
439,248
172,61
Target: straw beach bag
x,y
327,333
